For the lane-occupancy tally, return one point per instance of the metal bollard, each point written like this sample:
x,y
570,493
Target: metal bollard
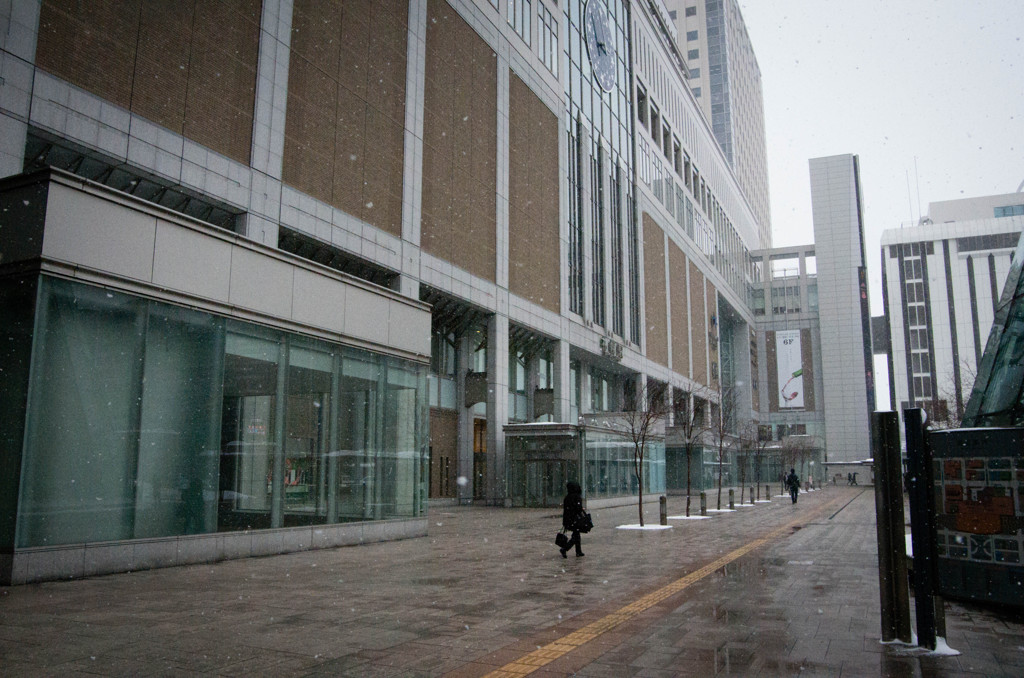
x,y
703,503
663,505
751,495
732,499
768,492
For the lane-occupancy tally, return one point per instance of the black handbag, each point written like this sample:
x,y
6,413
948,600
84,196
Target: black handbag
x,y
561,540
585,523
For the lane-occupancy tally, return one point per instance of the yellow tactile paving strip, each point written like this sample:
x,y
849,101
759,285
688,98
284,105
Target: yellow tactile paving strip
x,y
543,656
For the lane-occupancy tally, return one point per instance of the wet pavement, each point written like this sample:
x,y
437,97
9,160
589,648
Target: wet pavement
x,y
774,589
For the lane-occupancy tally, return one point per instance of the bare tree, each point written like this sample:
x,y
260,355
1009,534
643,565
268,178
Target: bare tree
x,y
796,451
644,411
721,426
691,423
758,447
947,410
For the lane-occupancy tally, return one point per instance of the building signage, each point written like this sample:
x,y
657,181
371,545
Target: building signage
x,y
788,356
611,349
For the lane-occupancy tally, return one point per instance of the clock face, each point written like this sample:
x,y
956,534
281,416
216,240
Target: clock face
x,y
600,43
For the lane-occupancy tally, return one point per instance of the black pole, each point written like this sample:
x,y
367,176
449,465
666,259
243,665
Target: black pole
x,y
886,553
922,524
892,552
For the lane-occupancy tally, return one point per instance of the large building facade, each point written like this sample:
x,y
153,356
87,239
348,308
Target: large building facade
x,y
845,316
276,274
282,271
942,280
726,81
790,382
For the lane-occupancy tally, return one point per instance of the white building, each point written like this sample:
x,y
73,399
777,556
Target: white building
x,y
726,82
942,279
844,316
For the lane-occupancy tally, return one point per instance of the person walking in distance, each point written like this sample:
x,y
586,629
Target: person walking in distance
x,y
572,513
793,483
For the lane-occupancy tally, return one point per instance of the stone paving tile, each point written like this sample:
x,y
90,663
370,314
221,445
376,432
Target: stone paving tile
x,y
487,587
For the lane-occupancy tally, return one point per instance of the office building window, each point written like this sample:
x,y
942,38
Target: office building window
x,y
519,18
641,106
694,73
656,179
691,11
691,36
632,242
693,54
757,301
1009,211
548,37
616,251
655,125
915,307
575,224
598,239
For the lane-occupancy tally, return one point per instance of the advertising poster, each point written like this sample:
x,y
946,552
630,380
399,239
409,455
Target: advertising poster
x,y
790,369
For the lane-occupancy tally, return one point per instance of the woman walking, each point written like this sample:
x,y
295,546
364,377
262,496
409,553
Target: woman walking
x,y
572,513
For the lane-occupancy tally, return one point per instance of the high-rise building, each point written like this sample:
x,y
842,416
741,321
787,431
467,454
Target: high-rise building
x,y
275,273
844,315
726,82
942,279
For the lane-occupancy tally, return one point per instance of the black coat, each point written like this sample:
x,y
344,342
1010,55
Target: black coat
x,y
572,506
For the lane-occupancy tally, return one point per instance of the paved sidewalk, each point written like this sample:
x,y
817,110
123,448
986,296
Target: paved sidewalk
x,y
487,588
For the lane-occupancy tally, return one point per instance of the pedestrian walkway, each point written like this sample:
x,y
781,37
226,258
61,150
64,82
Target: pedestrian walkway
x,y
774,589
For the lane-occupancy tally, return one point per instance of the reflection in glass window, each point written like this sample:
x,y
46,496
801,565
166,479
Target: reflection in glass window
x,y
150,420
519,18
548,37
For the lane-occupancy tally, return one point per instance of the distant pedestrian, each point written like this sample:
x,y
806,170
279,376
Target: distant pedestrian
x,y
849,479
854,478
793,483
572,514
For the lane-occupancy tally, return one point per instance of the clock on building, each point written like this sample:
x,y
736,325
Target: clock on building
x,y
600,44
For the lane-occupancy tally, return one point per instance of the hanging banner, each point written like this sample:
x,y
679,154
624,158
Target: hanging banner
x,y
789,361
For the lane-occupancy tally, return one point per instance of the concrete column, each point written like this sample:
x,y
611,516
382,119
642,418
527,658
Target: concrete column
x,y
17,58
532,382
497,407
464,442
262,221
562,382
412,185
587,217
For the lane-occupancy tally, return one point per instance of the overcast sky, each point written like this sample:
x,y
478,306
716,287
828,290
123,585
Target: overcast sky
x,y
929,94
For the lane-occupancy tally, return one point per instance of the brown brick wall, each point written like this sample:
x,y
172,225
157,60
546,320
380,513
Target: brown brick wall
x,y
345,124
188,66
459,144
680,310
698,326
771,362
534,253
91,45
654,291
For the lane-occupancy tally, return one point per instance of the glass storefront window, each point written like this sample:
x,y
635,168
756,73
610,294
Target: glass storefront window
x,y
151,420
